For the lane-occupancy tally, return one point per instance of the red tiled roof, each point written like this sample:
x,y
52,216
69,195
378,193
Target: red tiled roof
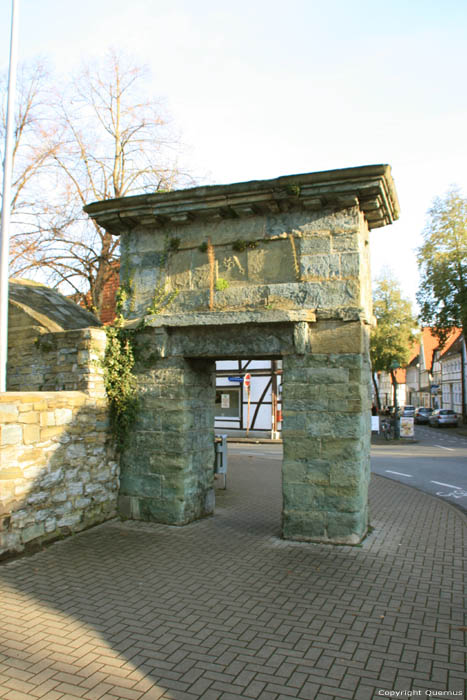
x,y
452,338
429,343
400,375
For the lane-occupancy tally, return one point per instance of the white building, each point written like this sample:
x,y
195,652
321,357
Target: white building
x,y
254,411
452,362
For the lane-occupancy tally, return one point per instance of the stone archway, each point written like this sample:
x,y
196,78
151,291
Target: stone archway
x,y
277,269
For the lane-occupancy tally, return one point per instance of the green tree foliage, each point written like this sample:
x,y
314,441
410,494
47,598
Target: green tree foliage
x,y
442,261
394,334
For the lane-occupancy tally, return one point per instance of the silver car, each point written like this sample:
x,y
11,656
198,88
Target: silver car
x,y
443,416
408,411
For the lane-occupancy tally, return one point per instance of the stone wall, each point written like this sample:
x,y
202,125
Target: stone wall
x,y
297,260
57,361
58,472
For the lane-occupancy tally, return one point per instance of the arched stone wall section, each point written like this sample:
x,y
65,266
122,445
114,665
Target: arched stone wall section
x,y
266,269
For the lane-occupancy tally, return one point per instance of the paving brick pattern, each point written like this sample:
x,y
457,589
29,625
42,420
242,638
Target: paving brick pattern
x,y
224,609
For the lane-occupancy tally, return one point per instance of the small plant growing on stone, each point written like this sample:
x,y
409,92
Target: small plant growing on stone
x,y
203,247
294,190
174,245
161,299
221,284
239,246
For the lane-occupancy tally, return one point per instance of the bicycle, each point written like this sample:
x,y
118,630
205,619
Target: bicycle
x,y
387,430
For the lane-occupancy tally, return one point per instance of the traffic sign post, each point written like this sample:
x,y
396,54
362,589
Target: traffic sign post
x,y
246,384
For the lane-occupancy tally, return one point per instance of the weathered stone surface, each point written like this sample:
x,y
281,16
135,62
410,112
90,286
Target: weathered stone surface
x,y
247,261
42,476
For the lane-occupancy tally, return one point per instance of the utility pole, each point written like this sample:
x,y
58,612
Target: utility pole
x,y
6,198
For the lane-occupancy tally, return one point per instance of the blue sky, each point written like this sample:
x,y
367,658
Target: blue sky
x,y
261,89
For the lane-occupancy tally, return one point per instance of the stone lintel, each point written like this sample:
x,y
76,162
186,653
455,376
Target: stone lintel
x,y
370,187
224,318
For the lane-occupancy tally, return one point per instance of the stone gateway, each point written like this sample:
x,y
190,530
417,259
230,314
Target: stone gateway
x,y
273,269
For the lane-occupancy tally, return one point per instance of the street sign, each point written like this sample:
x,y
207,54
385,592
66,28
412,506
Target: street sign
x,y
247,381
235,379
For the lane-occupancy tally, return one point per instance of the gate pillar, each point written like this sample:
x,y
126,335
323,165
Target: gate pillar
x,y
167,469
326,433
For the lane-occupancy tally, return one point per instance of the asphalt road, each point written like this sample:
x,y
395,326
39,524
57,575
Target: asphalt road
x,y
436,463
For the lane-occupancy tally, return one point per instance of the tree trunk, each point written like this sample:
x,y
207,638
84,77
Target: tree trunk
x,y
376,388
396,417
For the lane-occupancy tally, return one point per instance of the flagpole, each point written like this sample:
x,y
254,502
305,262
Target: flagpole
x,y
5,220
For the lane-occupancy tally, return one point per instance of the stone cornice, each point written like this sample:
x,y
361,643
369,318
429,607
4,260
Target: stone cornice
x,y
370,187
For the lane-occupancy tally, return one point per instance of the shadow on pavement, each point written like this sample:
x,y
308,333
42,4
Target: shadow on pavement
x,y
224,608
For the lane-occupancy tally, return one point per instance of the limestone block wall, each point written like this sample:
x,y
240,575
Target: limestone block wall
x,y
57,361
58,472
167,472
326,432
315,260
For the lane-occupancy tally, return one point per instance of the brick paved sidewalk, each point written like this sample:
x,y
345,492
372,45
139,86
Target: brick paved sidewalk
x,y
224,609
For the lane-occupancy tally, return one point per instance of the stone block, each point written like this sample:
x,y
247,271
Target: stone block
x,y
317,472
293,391
63,416
343,449
335,425
8,413
300,448
51,478
29,417
11,434
69,520
32,532
59,496
142,485
76,450
304,526
37,497
348,474
320,242
82,502
347,528
47,433
332,337
350,264
345,242
10,473
321,375
47,419
50,525
320,267
10,542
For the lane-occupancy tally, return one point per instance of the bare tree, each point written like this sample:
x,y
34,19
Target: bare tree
x,y
33,150
109,140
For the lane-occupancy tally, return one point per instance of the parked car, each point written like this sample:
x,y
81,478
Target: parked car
x,y
408,411
443,416
422,414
